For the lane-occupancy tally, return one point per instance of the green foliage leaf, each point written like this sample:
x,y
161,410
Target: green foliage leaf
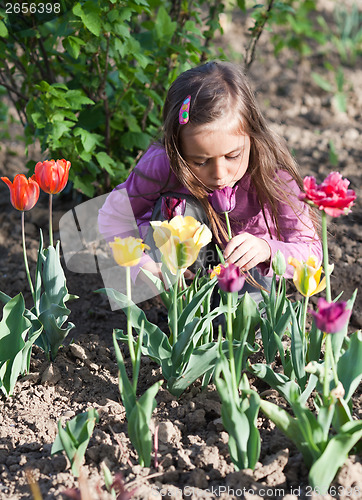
x,y
139,421
349,366
334,456
72,45
14,327
90,15
74,438
277,381
3,30
239,418
155,342
125,387
106,162
297,349
165,27
322,82
52,312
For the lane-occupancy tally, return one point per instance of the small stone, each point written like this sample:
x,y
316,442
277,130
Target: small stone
x,y
78,352
51,375
207,456
167,432
224,437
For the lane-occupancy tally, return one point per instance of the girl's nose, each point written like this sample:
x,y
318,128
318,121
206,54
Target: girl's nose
x,y
219,169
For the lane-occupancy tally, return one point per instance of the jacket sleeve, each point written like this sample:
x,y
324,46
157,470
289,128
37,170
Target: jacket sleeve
x,y
299,237
128,209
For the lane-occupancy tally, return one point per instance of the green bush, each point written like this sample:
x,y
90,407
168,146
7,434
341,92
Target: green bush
x,y
88,78
90,81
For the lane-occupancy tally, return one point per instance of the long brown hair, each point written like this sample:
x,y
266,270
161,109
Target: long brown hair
x,y
216,88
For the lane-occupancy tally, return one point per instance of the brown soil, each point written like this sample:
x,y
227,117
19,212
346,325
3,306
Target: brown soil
x,y
193,449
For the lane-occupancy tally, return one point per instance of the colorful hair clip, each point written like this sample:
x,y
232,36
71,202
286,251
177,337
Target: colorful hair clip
x,y
184,114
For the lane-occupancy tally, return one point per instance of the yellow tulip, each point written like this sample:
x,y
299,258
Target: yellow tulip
x,y
127,252
307,276
180,241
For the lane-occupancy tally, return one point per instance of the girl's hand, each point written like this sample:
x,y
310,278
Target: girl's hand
x,y
154,268
246,251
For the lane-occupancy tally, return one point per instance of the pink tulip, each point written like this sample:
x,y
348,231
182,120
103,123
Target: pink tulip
x,y
332,195
170,207
223,200
230,278
331,317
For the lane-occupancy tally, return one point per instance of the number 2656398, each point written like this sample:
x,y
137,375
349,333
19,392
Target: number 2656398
x,y
32,8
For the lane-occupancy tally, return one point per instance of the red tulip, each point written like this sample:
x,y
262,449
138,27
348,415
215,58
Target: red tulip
x,y
331,317
332,195
24,193
230,278
52,176
223,200
170,207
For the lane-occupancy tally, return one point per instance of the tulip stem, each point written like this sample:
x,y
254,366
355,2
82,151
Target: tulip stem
x,y
25,255
304,318
229,331
129,323
326,366
228,225
51,220
325,256
175,322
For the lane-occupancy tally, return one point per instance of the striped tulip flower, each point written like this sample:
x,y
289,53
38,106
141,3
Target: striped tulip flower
x,y
24,193
307,276
180,241
127,252
51,175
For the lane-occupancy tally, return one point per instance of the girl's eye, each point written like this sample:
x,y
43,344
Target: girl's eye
x,y
200,164
233,157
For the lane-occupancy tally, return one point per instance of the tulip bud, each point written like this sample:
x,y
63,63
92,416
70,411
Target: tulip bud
x,y
52,176
170,207
331,317
127,252
24,193
230,278
223,200
279,265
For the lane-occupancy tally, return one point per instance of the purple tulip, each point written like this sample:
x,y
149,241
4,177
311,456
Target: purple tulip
x,y
223,200
331,316
230,278
170,207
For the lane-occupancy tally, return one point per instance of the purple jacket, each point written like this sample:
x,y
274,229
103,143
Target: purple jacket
x,y
152,176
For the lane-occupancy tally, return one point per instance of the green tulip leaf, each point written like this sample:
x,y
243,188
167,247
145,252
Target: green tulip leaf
x,y
14,348
74,438
139,421
334,456
349,366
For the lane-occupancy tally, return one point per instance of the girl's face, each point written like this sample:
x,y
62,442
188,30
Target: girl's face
x,y
217,156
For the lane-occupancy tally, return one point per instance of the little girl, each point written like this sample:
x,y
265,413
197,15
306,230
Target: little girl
x,y
215,136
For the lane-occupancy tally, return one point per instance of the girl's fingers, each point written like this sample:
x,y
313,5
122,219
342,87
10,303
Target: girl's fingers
x,y
233,244
239,252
